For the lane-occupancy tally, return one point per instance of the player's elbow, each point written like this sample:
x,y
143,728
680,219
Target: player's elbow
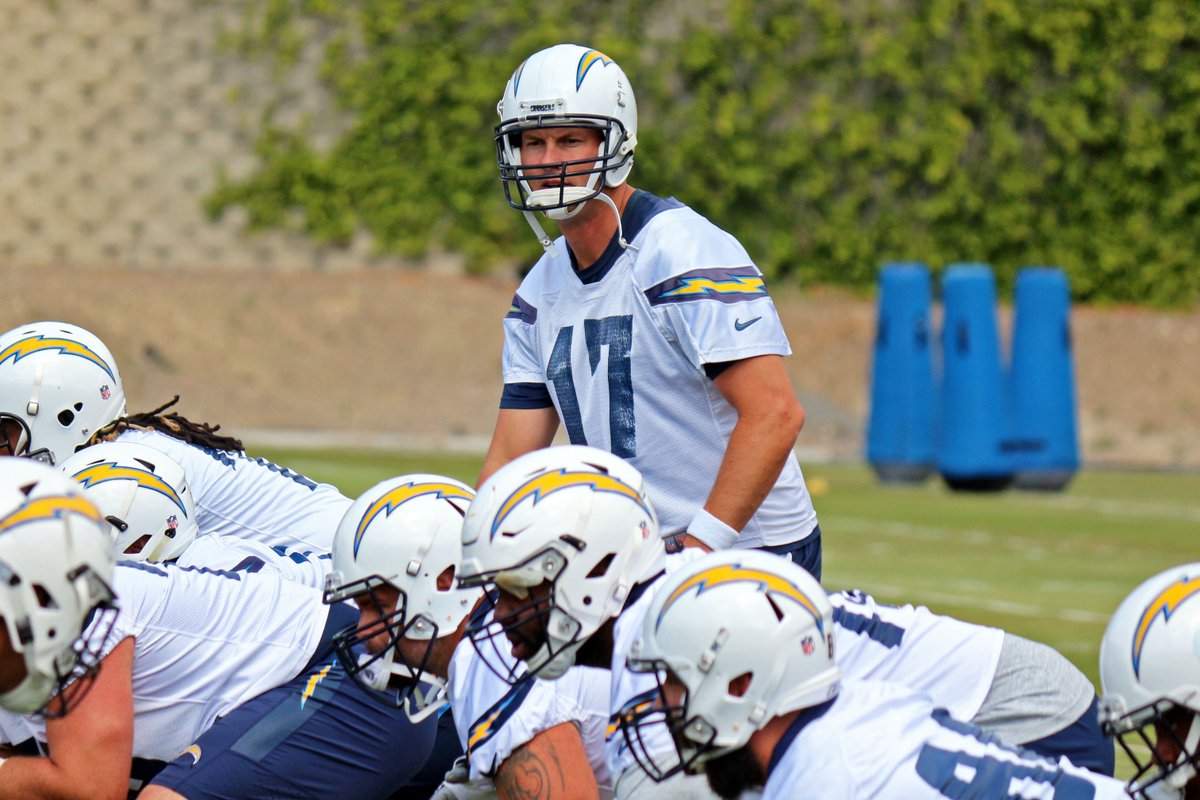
x,y
787,419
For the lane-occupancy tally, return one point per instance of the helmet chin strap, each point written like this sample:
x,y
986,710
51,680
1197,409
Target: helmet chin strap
x,y
566,193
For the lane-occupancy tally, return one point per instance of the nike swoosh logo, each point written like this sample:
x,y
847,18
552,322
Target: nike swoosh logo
x,y
741,326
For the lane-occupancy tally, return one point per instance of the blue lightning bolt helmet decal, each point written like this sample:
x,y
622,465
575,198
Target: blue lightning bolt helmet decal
x,y
95,474
68,347
1166,603
402,494
727,574
542,486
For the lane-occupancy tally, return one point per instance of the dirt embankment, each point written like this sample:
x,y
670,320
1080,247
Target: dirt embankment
x,y
413,359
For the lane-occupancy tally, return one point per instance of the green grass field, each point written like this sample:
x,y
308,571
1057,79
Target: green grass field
x,y
1048,566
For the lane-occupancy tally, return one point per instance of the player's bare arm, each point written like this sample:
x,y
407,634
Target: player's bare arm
x,y
91,747
551,766
769,420
518,431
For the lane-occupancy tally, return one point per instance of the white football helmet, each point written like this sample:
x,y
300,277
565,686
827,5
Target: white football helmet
x,y
576,517
55,571
404,532
60,384
728,614
566,86
142,493
1150,674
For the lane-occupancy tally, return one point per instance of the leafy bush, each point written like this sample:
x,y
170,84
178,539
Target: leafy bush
x,y
828,135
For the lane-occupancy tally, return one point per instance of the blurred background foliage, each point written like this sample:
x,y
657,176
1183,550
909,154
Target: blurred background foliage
x,y
828,135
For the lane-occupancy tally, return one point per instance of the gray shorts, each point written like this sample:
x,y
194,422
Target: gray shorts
x,y
1036,693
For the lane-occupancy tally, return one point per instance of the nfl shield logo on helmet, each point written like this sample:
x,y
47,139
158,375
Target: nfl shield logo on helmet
x,y
807,645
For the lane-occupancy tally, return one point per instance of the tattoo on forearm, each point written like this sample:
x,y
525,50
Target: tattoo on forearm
x,y
528,775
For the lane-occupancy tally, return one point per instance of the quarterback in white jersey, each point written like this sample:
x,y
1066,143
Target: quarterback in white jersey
x,y
395,555
60,390
645,329
779,718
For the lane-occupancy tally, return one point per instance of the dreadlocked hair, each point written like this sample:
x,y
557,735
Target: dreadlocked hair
x,y
200,434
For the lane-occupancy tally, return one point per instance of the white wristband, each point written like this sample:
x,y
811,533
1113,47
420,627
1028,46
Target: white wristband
x,y
712,531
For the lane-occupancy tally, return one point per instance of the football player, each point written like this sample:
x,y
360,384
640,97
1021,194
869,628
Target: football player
x,y
230,680
1150,674
567,538
55,575
1024,692
143,494
396,555
60,390
706,410
743,649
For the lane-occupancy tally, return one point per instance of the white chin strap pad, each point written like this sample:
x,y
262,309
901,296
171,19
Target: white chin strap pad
x,y
571,195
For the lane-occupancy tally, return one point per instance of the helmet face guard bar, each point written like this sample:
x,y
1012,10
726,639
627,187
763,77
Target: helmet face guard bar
x,y
73,684
24,439
488,633
507,138
655,732
374,672
1139,733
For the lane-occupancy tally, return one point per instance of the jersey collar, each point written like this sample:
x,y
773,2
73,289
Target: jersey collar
x,y
802,720
641,208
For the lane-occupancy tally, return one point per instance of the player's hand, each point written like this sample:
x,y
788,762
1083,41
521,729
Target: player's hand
x,y
687,540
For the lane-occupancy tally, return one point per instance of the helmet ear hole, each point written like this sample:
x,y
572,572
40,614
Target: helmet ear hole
x,y
66,417
138,546
739,685
44,598
601,568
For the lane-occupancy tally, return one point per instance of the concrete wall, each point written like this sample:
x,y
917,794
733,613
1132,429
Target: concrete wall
x,y
115,117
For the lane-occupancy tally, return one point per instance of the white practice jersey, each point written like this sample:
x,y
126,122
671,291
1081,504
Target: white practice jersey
x,y
882,741
494,719
621,351
204,643
244,555
629,686
952,661
251,498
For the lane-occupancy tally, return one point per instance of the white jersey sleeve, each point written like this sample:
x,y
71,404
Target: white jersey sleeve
x,y
217,552
884,742
204,643
952,661
251,498
705,290
495,719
